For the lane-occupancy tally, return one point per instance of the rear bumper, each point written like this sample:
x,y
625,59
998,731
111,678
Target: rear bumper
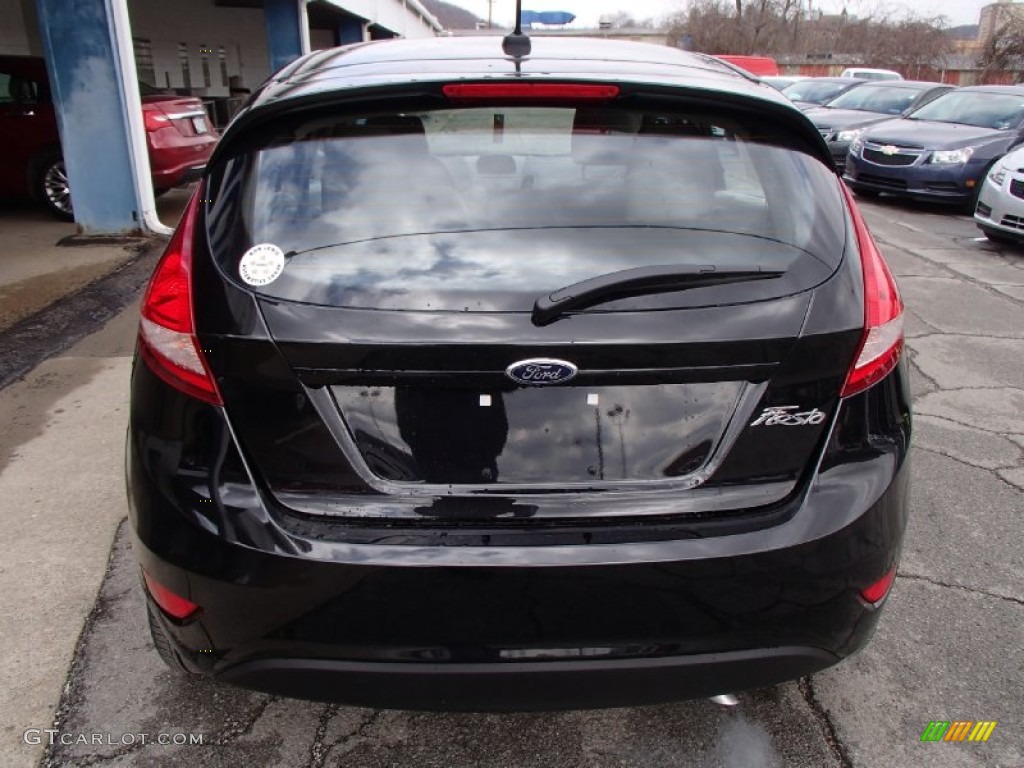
x,y
175,160
548,685
175,177
379,615
476,637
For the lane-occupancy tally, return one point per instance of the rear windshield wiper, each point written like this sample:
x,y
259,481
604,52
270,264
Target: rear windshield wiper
x,y
639,282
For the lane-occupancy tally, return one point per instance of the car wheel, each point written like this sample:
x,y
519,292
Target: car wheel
x,y
162,643
51,186
860,191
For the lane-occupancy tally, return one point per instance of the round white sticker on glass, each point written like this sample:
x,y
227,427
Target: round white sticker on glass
x,y
262,264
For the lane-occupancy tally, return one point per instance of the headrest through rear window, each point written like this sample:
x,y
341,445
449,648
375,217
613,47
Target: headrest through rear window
x,y
408,130
664,125
388,124
603,136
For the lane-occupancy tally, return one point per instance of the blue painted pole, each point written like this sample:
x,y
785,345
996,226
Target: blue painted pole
x,y
286,31
85,77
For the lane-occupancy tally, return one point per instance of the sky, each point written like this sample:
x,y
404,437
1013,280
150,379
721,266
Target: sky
x,y
588,11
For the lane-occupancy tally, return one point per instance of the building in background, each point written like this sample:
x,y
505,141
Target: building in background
x,y
997,16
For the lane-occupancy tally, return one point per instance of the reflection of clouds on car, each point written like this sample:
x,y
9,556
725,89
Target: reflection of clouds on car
x,y
424,271
321,192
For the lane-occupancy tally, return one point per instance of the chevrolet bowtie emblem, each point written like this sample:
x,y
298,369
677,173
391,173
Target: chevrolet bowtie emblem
x,y
889,149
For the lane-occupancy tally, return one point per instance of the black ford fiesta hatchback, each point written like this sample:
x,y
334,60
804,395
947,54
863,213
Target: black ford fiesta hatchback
x,y
477,381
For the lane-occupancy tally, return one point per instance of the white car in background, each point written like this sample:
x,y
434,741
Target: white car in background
x,y
1000,210
866,73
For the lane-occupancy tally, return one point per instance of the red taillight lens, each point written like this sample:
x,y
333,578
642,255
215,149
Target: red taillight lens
x,y
167,340
153,119
880,588
542,91
171,603
882,343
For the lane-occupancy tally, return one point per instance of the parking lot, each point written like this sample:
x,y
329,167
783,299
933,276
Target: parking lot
x,y
948,648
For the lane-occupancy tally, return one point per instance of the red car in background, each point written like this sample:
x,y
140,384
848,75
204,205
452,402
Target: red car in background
x,y
761,66
179,137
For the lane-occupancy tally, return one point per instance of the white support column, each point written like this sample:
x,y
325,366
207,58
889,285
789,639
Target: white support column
x,y
303,26
121,33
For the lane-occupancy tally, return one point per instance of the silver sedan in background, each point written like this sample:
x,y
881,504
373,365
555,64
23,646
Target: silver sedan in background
x,y
1000,210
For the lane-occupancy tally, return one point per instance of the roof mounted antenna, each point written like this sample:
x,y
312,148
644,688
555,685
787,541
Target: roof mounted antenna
x,y
517,44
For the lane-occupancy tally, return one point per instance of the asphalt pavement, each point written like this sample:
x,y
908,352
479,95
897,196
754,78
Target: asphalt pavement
x,y
949,646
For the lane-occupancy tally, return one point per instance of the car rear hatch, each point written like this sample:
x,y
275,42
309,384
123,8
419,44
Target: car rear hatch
x,y
600,310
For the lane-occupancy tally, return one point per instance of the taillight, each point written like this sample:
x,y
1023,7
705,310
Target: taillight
x,y
531,91
153,119
882,344
167,337
171,603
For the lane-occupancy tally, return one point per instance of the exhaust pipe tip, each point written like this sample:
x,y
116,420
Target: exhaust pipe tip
x,y
726,700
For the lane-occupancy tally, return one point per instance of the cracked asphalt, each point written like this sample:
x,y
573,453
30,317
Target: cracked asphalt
x,y
948,648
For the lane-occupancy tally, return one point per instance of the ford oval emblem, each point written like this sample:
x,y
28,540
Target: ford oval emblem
x,y
541,371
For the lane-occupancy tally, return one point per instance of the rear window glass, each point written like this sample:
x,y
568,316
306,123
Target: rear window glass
x,y
395,209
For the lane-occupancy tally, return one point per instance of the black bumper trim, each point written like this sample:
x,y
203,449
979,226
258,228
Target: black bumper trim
x,y
195,173
528,686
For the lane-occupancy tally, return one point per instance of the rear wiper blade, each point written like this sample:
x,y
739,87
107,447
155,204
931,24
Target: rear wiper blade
x,y
640,282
